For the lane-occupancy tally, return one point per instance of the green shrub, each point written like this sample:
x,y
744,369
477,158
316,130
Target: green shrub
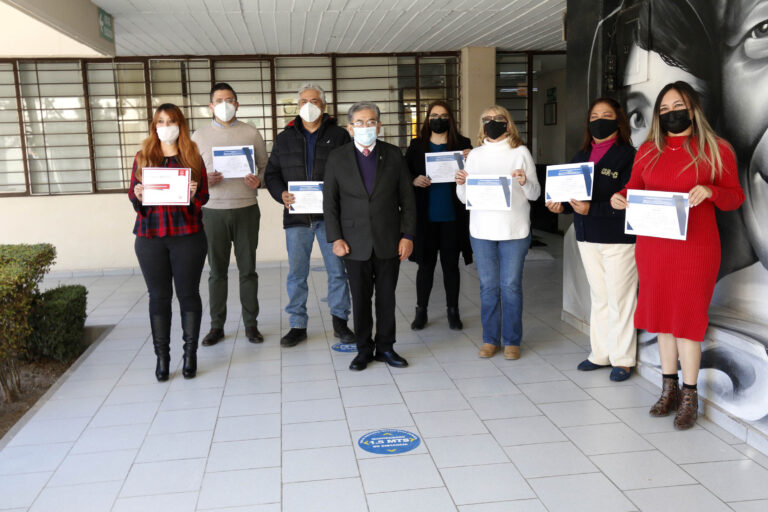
x,y
57,320
21,268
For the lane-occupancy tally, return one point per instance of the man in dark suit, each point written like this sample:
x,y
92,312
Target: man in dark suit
x,y
370,216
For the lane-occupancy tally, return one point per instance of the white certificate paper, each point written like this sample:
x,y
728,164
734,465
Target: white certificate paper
x,y
233,161
489,192
657,214
166,186
442,167
308,196
569,181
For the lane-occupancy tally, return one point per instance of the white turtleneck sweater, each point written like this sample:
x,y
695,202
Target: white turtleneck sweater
x,y
499,158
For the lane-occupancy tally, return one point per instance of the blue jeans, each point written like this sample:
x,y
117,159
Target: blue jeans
x,y
299,242
500,269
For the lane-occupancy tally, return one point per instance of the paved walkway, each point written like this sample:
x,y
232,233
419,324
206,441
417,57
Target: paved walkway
x,y
268,429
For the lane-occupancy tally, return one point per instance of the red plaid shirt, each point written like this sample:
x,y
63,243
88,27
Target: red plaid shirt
x,y
159,221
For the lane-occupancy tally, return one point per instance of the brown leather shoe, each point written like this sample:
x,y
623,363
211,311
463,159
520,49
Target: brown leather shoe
x,y
688,410
511,352
487,350
214,336
669,400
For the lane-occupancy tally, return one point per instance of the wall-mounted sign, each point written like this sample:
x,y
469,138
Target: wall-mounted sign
x,y
106,25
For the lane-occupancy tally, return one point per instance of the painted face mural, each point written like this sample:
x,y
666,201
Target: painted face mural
x,y
721,48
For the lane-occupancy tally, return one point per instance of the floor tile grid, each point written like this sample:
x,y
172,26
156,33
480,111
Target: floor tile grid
x,y
537,315
321,276
565,333
73,443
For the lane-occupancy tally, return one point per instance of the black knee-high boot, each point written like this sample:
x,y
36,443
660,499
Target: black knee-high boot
x,y
190,326
161,339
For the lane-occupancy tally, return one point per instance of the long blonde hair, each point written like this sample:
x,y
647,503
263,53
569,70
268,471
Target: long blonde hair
x,y
703,137
513,135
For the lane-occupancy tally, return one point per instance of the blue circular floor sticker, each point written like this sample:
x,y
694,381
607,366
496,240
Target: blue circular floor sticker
x,y
389,442
345,347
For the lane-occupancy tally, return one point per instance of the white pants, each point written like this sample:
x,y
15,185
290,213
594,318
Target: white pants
x,y
612,277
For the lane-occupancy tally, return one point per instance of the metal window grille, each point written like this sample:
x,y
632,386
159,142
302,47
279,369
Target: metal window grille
x,y
72,126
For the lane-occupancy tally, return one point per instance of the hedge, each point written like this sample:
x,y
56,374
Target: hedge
x,y
21,268
57,320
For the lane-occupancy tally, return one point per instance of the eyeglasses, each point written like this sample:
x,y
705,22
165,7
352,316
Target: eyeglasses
x,y
218,101
441,116
369,123
498,119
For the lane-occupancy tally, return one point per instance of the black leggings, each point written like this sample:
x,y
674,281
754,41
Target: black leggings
x,y
170,260
442,237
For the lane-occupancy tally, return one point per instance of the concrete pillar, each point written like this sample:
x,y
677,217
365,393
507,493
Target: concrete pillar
x,y
478,86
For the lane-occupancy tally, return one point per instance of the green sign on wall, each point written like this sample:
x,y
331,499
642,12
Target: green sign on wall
x,y
106,25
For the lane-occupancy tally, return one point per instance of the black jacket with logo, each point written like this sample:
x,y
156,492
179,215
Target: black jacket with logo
x,y
287,162
603,224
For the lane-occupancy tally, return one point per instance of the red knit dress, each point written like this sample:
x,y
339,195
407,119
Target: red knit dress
x,y
677,277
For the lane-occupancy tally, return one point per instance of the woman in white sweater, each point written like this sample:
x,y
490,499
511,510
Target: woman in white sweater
x,y
500,238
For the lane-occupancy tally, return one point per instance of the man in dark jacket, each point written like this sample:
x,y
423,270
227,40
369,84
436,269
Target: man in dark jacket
x,y
370,216
298,155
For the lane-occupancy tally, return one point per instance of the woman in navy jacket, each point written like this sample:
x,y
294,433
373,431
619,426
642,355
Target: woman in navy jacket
x,y
607,253
442,223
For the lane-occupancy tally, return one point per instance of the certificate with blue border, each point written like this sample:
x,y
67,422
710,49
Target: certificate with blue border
x,y
569,181
657,214
489,192
233,161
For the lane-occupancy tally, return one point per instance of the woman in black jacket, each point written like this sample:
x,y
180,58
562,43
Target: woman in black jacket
x,y
607,253
442,223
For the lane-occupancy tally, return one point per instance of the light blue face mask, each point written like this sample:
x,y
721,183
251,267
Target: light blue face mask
x,y
365,136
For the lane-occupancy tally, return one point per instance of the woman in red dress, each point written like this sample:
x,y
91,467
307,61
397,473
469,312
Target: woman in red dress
x,y
677,277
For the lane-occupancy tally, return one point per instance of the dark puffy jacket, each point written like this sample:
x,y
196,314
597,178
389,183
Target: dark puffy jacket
x,y
288,163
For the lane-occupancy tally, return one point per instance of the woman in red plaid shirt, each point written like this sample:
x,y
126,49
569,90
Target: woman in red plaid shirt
x,y
170,241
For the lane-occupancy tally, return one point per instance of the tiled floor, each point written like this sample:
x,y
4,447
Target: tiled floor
x,y
267,429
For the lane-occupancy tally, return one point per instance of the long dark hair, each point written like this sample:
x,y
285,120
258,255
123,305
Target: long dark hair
x,y
453,132
624,135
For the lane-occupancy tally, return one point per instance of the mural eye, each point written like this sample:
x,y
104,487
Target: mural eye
x,y
760,30
636,120
756,42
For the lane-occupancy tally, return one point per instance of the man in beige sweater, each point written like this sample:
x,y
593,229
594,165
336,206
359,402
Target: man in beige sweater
x,y
232,214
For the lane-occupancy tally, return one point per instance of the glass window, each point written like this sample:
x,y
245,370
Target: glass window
x,y
118,106
251,81
81,122
512,88
55,128
11,158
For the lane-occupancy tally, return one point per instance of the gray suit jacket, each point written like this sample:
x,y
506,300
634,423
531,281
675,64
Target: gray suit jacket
x,y
372,223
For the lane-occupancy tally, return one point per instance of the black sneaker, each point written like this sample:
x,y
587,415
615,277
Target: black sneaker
x,y
294,337
341,331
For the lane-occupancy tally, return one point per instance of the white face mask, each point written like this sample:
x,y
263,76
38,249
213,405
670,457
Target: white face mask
x,y
365,136
168,134
309,112
224,111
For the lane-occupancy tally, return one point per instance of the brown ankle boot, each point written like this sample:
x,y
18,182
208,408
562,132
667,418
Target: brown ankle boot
x,y
688,410
669,400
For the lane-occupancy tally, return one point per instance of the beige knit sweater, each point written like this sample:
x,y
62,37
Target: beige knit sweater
x,y
231,193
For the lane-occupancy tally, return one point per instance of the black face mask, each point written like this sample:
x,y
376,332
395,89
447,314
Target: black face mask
x,y
494,129
675,121
603,128
439,125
